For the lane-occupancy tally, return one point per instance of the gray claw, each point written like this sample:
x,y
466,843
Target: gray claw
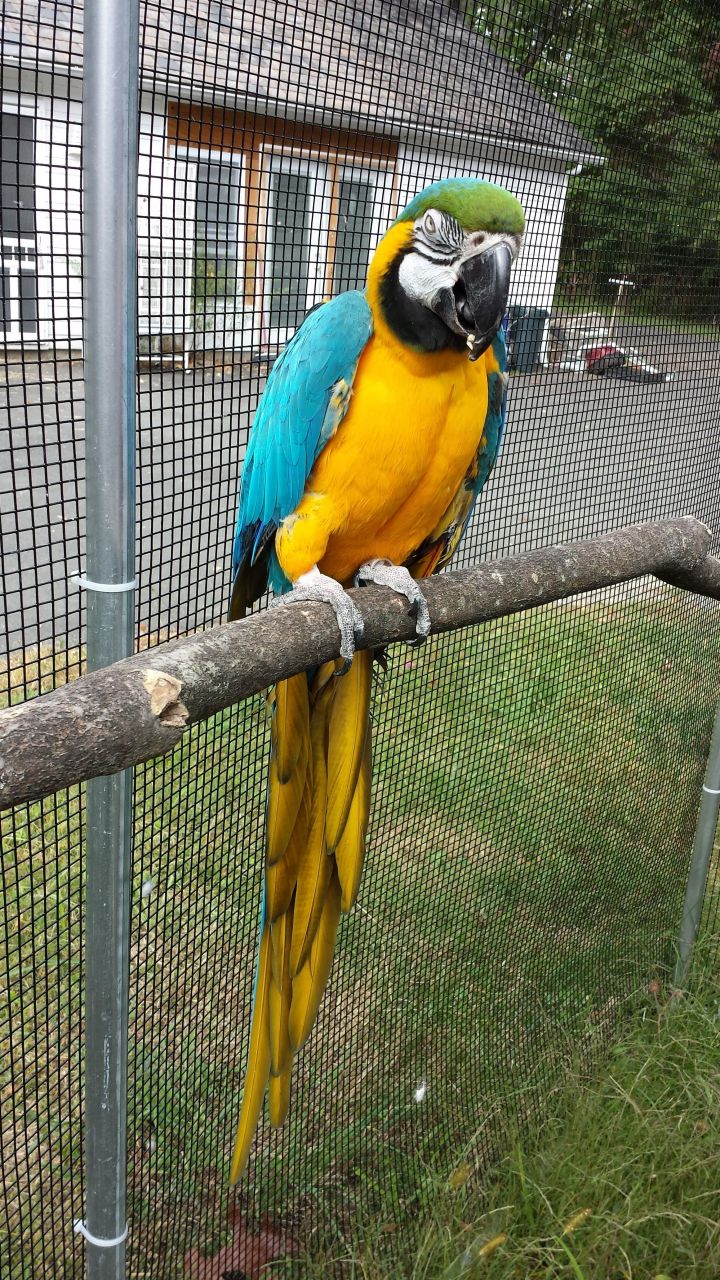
x,y
318,586
395,576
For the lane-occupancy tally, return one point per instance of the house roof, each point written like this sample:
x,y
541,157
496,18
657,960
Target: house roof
x,y
405,68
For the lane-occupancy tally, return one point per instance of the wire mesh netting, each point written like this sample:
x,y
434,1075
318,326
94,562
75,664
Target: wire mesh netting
x,y
536,780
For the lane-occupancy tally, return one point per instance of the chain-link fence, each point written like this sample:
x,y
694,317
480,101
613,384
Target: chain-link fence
x,y
536,779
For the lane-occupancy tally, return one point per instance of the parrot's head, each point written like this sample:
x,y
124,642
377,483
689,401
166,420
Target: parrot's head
x,y
441,274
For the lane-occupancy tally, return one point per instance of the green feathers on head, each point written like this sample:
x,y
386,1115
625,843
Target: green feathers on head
x,y
477,205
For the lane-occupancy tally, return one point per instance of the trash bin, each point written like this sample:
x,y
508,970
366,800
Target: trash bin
x,y
525,335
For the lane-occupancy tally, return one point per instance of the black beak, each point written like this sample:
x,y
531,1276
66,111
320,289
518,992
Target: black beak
x,y
481,295
475,306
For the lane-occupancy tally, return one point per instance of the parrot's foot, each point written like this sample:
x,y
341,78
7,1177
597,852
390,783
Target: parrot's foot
x,y
395,576
315,585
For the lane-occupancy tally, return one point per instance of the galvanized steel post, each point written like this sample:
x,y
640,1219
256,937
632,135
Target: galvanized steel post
x,y
701,855
110,125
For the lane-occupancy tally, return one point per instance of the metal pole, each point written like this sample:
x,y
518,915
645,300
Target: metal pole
x,y
621,284
110,122
701,855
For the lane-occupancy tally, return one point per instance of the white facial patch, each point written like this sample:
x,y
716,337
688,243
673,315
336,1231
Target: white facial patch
x,y
422,280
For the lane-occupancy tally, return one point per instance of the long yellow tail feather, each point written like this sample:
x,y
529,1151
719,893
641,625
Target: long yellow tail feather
x,y
284,800
350,851
258,1067
310,982
279,1097
281,876
280,995
314,870
348,729
290,723
318,783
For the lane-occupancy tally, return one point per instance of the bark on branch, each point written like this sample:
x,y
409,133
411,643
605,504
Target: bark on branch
x,y
140,707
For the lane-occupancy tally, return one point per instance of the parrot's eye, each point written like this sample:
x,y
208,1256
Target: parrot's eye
x,y
438,236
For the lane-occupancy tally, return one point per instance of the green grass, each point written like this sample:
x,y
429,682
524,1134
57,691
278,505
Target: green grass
x,y
620,1182
535,788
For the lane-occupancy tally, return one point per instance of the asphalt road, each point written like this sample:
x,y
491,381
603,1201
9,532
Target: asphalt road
x,y
582,455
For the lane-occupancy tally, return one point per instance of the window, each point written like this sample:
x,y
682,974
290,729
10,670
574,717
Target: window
x,y
217,218
290,204
353,237
312,225
285,217
18,261
297,242
17,181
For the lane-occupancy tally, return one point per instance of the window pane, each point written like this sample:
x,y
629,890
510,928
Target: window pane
x,y
354,232
216,231
28,303
290,216
17,176
5,301
216,209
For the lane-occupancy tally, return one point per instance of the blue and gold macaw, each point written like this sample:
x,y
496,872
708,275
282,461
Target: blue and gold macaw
x,y
379,425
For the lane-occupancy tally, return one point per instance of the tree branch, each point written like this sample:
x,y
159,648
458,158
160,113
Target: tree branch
x,y
546,28
140,707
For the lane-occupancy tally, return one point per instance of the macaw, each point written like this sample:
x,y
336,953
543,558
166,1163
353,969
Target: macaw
x,y
379,424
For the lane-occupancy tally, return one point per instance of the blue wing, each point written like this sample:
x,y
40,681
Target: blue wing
x,y
304,402
439,548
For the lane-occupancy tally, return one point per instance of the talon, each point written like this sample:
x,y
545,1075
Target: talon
x,y
399,579
315,585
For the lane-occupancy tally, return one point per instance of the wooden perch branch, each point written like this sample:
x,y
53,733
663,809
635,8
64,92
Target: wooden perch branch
x,y
140,707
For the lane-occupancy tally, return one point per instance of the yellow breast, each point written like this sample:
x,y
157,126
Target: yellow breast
x,y
399,457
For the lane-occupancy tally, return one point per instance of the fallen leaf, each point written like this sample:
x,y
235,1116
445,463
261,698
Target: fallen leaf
x,y
491,1246
576,1221
459,1176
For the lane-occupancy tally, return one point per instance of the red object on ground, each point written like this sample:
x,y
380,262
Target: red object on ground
x,y
599,359
247,1256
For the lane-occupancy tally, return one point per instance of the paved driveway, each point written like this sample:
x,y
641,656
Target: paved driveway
x,y
582,455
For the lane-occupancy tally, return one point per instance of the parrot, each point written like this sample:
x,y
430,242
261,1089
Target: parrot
x,y
380,422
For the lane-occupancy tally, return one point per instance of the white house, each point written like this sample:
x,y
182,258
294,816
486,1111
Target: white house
x,y
276,143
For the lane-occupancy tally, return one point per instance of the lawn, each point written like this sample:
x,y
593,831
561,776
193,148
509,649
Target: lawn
x,y
536,784
620,1181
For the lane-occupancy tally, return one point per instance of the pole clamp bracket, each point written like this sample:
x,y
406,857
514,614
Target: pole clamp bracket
x,y
87,584
80,1229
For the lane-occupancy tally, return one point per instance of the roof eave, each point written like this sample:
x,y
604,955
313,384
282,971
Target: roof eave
x,y
389,127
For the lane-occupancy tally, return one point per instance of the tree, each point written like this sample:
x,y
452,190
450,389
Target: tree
x,y
641,78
